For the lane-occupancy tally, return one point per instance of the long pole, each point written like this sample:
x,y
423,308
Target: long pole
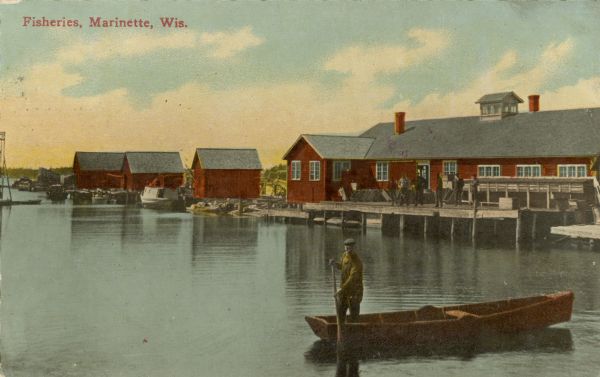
x,y
337,305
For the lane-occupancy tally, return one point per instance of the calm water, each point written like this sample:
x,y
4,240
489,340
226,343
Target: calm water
x,y
108,291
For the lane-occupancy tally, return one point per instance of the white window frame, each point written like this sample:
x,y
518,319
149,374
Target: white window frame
x,y
529,168
296,170
339,167
314,172
572,168
448,171
382,171
492,167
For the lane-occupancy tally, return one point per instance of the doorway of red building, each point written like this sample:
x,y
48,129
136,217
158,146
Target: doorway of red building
x,y
423,171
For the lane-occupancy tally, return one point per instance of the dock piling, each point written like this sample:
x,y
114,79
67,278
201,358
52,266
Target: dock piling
x,y
518,228
474,224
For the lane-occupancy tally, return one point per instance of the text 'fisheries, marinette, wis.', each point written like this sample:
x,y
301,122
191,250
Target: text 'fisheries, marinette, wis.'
x,y
102,22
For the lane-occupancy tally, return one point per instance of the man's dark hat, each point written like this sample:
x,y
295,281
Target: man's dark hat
x,y
349,241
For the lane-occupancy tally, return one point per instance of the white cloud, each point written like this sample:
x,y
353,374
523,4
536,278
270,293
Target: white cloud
x,y
217,45
585,93
227,44
496,79
365,62
114,45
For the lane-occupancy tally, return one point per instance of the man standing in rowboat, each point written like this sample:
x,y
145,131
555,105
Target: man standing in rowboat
x,y
349,296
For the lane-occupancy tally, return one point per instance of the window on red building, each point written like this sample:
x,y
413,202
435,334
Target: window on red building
x,y
382,171
529,170
315,171
296,172
572,170
338,168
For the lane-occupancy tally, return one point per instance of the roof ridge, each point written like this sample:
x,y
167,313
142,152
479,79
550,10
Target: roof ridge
x,y
353,136
478,116
152,152
228,149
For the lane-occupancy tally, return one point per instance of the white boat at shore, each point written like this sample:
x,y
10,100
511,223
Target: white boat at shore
x,y
159,197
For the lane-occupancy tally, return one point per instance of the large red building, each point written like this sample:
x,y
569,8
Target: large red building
x,y
500,142
226,173
98,169
140,169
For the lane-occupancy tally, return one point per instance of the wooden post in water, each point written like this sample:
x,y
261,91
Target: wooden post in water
x,y
401,225
324,218
425,223
342,217
474,225
548,197
452,221
564,218
533,225
363,222
518,228
495,227
528,197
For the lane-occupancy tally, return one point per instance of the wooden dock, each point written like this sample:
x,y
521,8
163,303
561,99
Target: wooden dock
x,y
591,231
527,223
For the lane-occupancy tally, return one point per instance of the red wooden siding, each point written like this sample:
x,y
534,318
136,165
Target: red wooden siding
x,y
96,179
363,172
305,190
226,183
137,182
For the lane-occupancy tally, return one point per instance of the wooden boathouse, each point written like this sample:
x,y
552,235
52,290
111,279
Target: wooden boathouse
x,y
141,169
101,170
226,173
500,144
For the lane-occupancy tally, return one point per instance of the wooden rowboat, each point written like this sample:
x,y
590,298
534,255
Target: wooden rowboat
x,y
431,324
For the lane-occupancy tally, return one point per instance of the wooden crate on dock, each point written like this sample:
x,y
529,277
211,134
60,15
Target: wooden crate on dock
x,y
507,203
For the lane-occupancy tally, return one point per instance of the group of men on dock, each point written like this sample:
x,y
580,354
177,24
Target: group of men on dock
x,y
402,189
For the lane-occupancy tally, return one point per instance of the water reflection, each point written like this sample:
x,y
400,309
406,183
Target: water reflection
x,y
550,340
217,237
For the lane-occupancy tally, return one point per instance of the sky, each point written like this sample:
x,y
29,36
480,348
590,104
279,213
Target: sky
x,y
259,74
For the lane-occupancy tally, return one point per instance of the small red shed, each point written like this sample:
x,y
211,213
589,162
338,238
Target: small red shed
x,y
141,169
226,173
94,170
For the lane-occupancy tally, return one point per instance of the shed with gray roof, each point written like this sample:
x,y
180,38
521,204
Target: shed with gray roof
x,y
143,168
226,173
228,159
93,170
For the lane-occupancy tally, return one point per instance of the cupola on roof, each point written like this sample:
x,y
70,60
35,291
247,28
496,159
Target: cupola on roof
x,y
499,105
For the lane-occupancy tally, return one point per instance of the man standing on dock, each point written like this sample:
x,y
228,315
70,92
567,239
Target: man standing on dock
x,y
349,296
419,188
475,190
439,191
404,190
459,185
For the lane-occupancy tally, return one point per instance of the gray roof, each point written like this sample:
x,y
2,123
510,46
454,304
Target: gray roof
x,y
100,161
154,162
229,159
337,146
536,134
498,97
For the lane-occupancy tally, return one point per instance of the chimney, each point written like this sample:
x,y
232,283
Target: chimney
x,y
399,124
534,103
